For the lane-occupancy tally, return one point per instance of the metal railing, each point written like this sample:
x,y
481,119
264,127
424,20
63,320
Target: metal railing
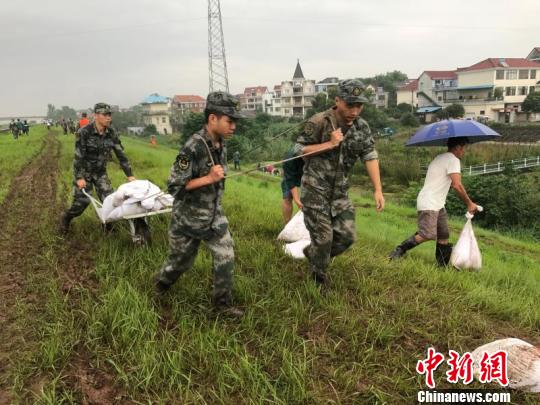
x,y
514,164
489,168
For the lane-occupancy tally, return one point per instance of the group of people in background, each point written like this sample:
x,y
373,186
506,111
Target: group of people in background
x,y
18,127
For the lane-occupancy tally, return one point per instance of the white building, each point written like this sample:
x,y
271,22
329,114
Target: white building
x,y
296,94
156,111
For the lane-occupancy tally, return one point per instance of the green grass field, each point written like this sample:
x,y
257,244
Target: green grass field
x,y
16,153
358,343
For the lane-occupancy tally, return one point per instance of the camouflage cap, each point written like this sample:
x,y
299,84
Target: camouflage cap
x,y
225,103
102,108
352,91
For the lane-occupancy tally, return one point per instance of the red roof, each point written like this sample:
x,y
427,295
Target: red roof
x,y
441,74
188,99
492,63
412,85
257,89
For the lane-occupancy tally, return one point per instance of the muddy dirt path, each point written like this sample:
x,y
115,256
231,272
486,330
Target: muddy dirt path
x,y
29,217
30,200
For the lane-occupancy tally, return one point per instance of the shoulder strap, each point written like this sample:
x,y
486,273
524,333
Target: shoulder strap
x,y
207,148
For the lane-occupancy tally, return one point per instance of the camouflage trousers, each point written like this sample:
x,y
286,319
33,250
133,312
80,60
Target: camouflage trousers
x,y
183,251
330,236
80,201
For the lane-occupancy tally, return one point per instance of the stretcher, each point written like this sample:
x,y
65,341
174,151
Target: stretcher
x,y
140,235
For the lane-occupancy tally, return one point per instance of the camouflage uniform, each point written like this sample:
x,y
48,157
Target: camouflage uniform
x,y
198,214
91,152
328,213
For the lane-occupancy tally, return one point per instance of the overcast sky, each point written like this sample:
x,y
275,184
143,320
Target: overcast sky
x,y
72,52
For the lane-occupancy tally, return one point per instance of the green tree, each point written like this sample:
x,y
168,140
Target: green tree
x,y
149,130
404,108
455,110
532,102
193,122
51,111
129,118
409,120
375,117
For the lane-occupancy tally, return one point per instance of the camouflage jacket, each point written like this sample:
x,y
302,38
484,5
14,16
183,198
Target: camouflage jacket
x,y
92,152
198,213
325,182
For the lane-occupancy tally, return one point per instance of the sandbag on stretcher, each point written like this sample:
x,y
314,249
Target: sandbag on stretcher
x,y
136,197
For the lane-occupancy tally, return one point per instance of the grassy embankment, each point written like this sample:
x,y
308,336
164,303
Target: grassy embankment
x,y
357,343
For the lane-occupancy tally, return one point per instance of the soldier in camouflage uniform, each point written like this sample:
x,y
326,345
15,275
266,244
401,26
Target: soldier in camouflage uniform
x,y
92,146
335,139
197,181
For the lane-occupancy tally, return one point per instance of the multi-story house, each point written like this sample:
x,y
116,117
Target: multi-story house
x,y
407,93
297,94
255,99
324,85
156,111
275,101
496,87
534,55
188,103
378,96
436,86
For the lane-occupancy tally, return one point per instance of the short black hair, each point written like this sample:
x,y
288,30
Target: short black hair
x,y
457,141
84,114
218,114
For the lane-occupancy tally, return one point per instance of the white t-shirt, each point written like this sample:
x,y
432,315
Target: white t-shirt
x,y
432,197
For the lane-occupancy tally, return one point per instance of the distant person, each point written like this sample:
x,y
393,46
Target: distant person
x,y
64,125
20,127
14,129
236,160
292,178
26,127
335,139
48,122
92,146
197,183
443,172
84,121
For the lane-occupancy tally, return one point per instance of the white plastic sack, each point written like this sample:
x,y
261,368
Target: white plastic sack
x,y
295,229
137,190
125,209
108,206
466,254
523,362
296,249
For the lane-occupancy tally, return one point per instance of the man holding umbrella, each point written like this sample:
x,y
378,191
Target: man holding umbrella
x,y
443,172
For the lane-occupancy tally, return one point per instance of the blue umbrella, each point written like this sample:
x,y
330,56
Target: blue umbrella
x,y
437,134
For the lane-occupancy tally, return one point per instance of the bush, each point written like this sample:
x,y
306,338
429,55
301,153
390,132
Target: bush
x,y
149,130
508,200
409,120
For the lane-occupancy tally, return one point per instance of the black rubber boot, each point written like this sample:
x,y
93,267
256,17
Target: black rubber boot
x,y
402,248
443,253
63,226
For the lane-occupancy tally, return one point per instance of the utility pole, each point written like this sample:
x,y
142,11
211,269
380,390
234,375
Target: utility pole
x,y
217,64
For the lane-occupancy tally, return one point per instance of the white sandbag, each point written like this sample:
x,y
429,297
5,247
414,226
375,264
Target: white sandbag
x,y
163,201
466,254
523,362
124,210
107,207
295,229
118,198
138,190
296,249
